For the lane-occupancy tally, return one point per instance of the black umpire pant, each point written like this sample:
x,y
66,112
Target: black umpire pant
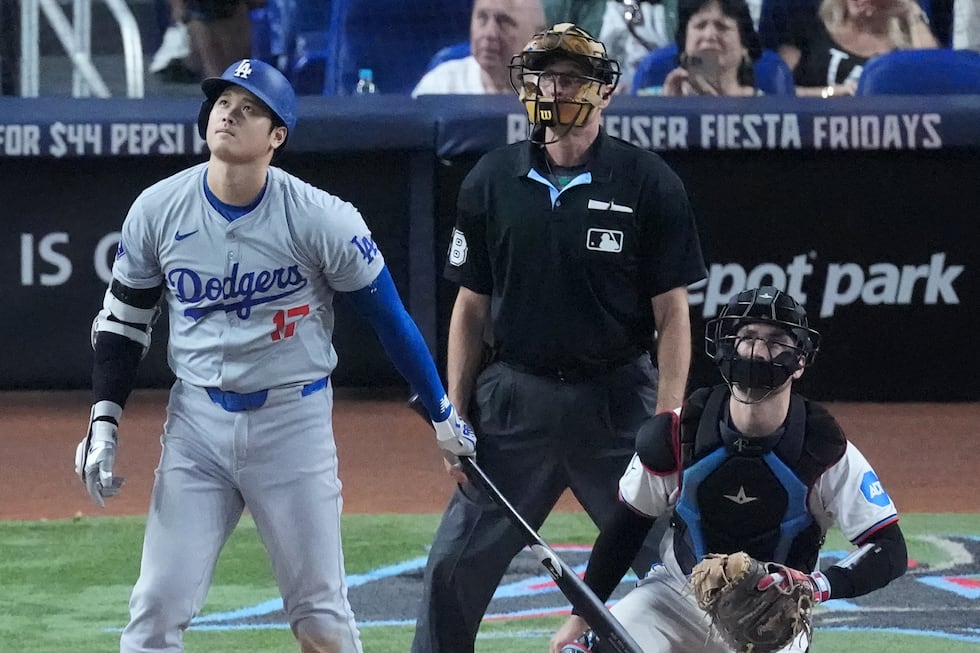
x,y
537,436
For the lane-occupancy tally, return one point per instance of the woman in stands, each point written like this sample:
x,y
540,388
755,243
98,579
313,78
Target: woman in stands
x,y
827,51
718,45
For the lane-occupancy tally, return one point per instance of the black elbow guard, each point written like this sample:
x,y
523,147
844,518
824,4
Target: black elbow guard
x,y
872,566
656,442
128,312
137,297
114,373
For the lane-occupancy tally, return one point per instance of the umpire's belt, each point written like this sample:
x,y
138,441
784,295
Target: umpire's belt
x,y
571,373
235,402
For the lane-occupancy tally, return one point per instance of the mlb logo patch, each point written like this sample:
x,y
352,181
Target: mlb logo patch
x,y
604,240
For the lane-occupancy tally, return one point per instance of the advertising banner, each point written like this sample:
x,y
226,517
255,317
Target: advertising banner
x,y
866,211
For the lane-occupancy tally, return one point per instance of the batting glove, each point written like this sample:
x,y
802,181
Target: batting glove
x,y
784,579
584,642
455,437
96,453
574,647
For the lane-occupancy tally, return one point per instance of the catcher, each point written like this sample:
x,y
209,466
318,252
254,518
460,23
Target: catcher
x,y
753,475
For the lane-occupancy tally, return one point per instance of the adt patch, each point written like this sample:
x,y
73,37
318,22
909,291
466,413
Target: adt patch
x,y
873,491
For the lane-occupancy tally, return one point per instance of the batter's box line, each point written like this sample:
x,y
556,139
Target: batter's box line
x,y
936,634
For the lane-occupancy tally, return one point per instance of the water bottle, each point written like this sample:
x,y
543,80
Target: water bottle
x,y
365,82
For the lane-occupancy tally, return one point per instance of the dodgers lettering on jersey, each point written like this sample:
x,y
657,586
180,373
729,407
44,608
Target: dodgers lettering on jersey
x,y
249,288
250,301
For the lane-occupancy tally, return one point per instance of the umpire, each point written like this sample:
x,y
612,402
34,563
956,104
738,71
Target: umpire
x,y
571,249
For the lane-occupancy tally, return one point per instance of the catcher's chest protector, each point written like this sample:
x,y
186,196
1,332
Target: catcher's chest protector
x,y
751,494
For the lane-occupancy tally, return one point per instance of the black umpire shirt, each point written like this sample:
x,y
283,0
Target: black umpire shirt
x,y
571,273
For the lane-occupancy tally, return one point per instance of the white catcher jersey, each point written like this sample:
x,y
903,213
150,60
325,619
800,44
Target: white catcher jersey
x,y
847,494
250,301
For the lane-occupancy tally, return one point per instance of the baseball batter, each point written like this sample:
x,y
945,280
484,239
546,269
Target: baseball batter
x,y
247,259
745,466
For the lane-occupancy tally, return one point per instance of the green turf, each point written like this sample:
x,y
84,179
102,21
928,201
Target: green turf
x,y
64,585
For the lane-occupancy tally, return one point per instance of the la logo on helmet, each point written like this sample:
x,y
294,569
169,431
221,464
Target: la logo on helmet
x,y
244,69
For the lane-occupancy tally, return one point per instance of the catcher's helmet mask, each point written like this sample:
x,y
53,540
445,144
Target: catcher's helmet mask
x,y
771,370
262,80
599,76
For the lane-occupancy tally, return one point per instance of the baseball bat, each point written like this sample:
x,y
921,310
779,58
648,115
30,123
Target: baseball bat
x,y
611,635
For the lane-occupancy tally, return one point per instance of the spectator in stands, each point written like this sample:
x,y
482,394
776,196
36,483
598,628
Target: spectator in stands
x,y
827,52
718,44
221,32
629,28
170,61
498,31
633,28
204,37
587,14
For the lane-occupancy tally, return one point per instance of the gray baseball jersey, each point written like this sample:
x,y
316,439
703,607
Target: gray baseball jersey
x,y
250,308
250,301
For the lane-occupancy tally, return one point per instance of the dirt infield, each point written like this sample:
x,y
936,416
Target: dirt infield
x,y
927,455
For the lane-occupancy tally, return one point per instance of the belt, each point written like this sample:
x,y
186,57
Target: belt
x,y
235,402
571,373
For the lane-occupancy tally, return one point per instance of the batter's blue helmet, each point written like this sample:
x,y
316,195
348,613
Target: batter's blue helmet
x,y
261,80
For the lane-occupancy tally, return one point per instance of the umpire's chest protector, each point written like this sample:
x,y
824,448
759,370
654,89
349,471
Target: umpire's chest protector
x,y
750,494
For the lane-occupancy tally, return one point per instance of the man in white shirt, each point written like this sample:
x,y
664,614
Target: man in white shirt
x,y
498,31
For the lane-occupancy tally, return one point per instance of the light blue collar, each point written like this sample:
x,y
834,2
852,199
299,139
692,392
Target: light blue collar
x,y
583,178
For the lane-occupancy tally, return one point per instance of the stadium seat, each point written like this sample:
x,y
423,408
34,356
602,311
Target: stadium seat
x,y
448,53
295,36
654,67
314,45
394,38
307,67
261,35
773,76
922,72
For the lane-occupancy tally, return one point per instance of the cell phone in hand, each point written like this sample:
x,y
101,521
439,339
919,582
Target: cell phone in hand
x,y
704,69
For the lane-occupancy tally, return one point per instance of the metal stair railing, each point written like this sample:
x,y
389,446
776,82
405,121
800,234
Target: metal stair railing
x,y
76,39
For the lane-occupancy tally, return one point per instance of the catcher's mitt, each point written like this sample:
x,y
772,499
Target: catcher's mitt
x,y
748,619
